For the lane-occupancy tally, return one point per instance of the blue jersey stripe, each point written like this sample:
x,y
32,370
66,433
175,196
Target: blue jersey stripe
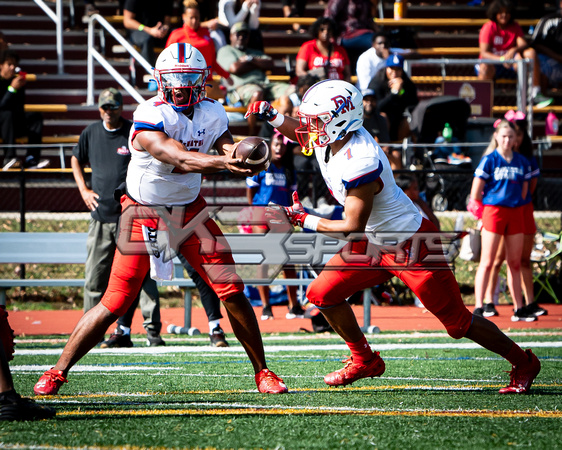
x,y
364,178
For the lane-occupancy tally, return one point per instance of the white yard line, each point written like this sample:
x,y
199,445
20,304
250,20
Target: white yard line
x,y
273,348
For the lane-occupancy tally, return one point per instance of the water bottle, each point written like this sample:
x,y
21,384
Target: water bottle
x,y
552,124
398,10
447,133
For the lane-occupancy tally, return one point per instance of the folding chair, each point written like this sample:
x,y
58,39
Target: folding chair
x,y
548,265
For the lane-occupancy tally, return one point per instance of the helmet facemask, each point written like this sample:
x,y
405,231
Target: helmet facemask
x,y
190,80
312,132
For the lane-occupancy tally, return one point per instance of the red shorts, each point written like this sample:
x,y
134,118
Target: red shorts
x,y
503,220
205,248
433,283
529,226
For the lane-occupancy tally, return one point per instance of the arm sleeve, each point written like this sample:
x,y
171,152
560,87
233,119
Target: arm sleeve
x,y
365,171
254,22
229,14
485,33
483,169
80,151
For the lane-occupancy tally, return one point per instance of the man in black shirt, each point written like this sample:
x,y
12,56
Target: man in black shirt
x,y
148,24
14,121
547,41
104,146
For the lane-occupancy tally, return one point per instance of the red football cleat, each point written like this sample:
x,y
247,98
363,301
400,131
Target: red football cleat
x,y
522,377
352,372
269,383
50,382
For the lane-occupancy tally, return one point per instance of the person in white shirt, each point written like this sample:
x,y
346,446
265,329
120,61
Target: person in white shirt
x,y
387,235
170,140
370,61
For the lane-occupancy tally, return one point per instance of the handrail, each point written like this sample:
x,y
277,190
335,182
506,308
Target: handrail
x,y
94,54
57,18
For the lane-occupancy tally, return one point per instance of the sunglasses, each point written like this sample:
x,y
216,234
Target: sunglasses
x,y
110,107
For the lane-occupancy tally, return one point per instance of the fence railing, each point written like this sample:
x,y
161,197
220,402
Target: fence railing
x,y
95,54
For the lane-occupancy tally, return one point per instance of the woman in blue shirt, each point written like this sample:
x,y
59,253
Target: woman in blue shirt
x,y
524,146
275,185
499,190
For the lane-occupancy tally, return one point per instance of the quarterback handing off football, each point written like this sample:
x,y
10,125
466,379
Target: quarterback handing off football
x,y
255,154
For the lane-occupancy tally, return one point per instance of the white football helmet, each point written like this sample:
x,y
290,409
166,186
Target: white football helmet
x,y
329,110
181,66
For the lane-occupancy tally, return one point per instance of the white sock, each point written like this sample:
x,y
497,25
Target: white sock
x,y
125,330
213,324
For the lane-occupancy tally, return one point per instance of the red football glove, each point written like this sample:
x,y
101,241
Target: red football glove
x,y
476,208
296,213
263,110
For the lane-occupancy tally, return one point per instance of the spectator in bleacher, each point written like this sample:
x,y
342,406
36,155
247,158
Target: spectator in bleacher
x,y
501,38
148,25
103,146
232,12
321,56
12,405
547,42
354,19
14,121
372,60
193,33
377,126
294,8
395,93
248,81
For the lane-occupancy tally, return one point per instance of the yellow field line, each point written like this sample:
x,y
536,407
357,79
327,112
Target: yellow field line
x,y
312,411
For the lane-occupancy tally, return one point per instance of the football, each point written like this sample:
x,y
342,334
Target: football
x,y
255,154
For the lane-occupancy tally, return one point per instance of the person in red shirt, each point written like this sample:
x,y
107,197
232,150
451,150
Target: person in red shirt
x,y
321,56
193,33
501,38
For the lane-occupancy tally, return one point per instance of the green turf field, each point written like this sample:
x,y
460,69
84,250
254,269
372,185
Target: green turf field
x,y
435,393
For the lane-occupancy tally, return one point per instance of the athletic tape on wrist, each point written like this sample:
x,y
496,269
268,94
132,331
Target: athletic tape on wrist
x,y
311,222
277,121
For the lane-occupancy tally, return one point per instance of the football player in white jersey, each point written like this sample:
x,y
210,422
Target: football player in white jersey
x,y
170,139
387,234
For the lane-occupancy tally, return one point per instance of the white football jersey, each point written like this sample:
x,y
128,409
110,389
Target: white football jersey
x,y
361,160
152,182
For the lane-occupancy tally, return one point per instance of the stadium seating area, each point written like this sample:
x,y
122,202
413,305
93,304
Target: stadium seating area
x,y
445,28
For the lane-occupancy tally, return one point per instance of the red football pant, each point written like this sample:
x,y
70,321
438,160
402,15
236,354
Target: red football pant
x,y
207,251
433,283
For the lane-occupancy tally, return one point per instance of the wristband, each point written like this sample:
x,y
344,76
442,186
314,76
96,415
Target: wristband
x,y
141,27
311,222
277,121
12,89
